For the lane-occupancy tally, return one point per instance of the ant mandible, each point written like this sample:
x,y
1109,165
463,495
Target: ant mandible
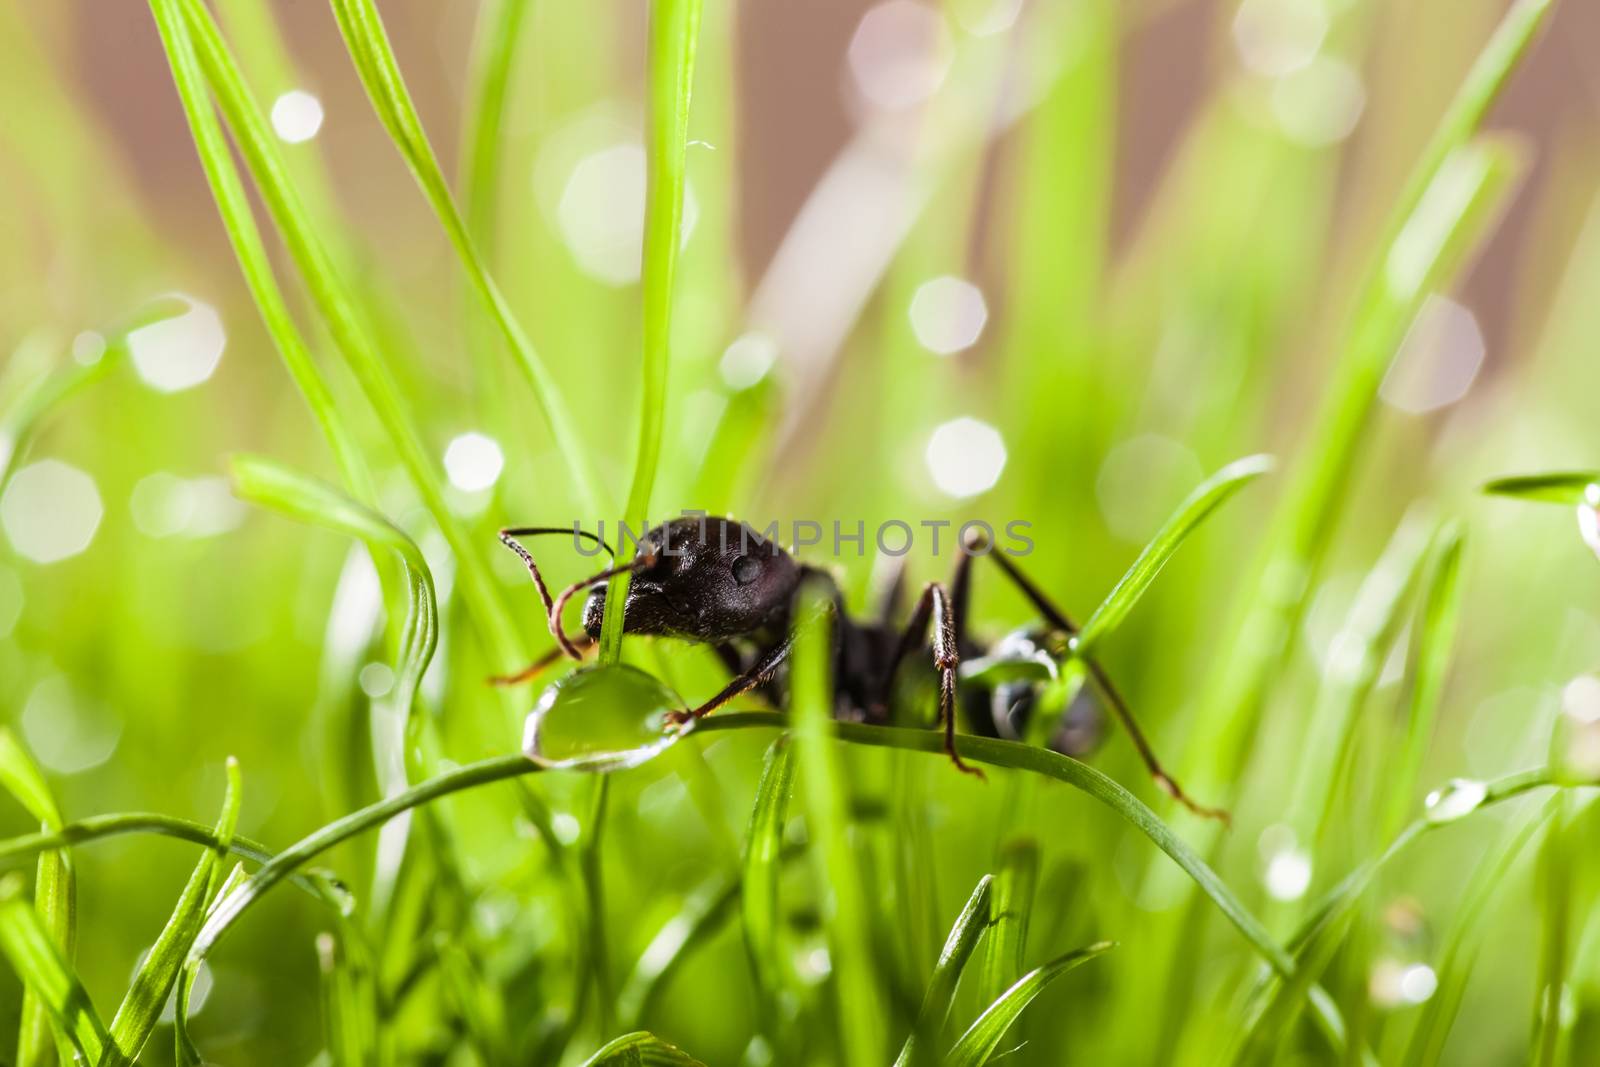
x,y
718,582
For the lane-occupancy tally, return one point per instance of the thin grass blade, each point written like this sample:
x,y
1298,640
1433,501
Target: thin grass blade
x,y
306,499
958,947
700,920
758,909
674,30
55,888
1014,884
364,36
846,917
1206,498
641,1050
238,221
185,1054
1555,487
140,1010
977,1045
1434,645
335,301
34,955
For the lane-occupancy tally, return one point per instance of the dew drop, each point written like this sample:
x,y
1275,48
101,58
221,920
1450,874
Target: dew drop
x,y
1456,798
600,719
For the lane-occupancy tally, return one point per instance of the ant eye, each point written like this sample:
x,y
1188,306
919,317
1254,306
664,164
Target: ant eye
x,y
746,569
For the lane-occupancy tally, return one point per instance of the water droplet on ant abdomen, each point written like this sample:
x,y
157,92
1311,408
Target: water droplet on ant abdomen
x,y
601,718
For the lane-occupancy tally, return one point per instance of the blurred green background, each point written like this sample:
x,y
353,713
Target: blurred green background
x,y
1128,239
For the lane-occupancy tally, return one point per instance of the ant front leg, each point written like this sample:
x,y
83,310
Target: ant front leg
x,y
757,674
1119,707
934,606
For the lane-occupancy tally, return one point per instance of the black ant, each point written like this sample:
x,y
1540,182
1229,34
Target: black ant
x,y
718,582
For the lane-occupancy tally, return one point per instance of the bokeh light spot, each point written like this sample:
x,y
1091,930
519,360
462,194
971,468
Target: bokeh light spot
x,y
601,213
1320,103
748,360
948,314
1438,360
66,733
900,54
296,116
180,352
1278,37
965,457
473,462
51,511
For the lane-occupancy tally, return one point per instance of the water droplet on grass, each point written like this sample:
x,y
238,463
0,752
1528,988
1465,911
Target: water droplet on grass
x,y
1456,798
600,719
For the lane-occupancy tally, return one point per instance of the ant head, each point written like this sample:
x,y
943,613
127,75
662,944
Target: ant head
x,y
704,579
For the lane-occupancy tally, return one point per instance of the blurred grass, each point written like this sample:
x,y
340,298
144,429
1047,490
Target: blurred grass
x,y
1148,319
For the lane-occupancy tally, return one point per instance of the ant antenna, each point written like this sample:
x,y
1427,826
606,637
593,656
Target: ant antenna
x,y
566,594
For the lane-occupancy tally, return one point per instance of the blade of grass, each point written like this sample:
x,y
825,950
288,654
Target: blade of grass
x,y
1435,642
1014,884
1556,871
140,1009
1355,659
674,27
1555,487
977,1045
1206,498
758,909
374,60
342,1036
700,920
333,297
55,888
589,863
185,1054
641,1050
935,1010
1457,957
858,996
34,955
476,1000
1458,183
238,220
305,499
22,415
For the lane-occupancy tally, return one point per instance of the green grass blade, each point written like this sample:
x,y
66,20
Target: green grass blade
x,y
693,927
55,888
674,29
1435,642
351,331
305,499
1460,948
476,1000
238,220
845,913
641,1050
34,955
1014,884
375,62
1555,487
342,1033
140,1010
941,992
1205,499
758,909
1454,193
1557,868
1355,660
977,1045
185,1054
499,29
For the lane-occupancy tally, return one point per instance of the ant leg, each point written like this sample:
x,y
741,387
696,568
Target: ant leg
x,y
757,674
934,605
1119,707
539,665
